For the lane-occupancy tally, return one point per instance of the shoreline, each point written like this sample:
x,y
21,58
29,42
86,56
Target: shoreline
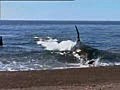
x,y
60,77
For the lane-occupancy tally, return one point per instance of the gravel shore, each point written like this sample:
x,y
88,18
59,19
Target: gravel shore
x,y
94,78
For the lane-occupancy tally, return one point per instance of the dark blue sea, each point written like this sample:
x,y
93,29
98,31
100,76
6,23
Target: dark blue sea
x,y
30,45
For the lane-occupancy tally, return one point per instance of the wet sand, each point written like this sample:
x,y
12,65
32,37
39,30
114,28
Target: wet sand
x,y
94,78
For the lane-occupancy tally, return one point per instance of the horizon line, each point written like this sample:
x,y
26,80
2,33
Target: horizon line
x,y
66,20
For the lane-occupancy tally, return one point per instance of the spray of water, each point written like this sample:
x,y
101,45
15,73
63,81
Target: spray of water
x,y
53,44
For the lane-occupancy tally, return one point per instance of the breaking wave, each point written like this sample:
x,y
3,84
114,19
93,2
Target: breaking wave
x,y
20,66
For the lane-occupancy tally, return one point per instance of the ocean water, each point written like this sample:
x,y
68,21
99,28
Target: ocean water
x,y
39,45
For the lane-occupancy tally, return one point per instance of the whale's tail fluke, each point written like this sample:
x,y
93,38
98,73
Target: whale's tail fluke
x,y
78,34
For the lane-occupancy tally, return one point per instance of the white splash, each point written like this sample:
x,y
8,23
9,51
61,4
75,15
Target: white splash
x,y
52,44
97,62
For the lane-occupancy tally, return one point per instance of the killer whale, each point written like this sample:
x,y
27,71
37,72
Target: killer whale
x,y
84,51
88,53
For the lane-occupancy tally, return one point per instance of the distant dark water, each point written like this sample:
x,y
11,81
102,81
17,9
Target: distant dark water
x,y
21,22
21,52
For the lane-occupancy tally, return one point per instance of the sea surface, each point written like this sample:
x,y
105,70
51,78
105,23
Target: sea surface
x,y
30,45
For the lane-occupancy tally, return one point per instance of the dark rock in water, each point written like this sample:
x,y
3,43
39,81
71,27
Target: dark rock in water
x,y
1,42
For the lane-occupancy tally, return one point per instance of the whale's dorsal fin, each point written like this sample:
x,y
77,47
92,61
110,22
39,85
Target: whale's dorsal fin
x,y
1,42
78,34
